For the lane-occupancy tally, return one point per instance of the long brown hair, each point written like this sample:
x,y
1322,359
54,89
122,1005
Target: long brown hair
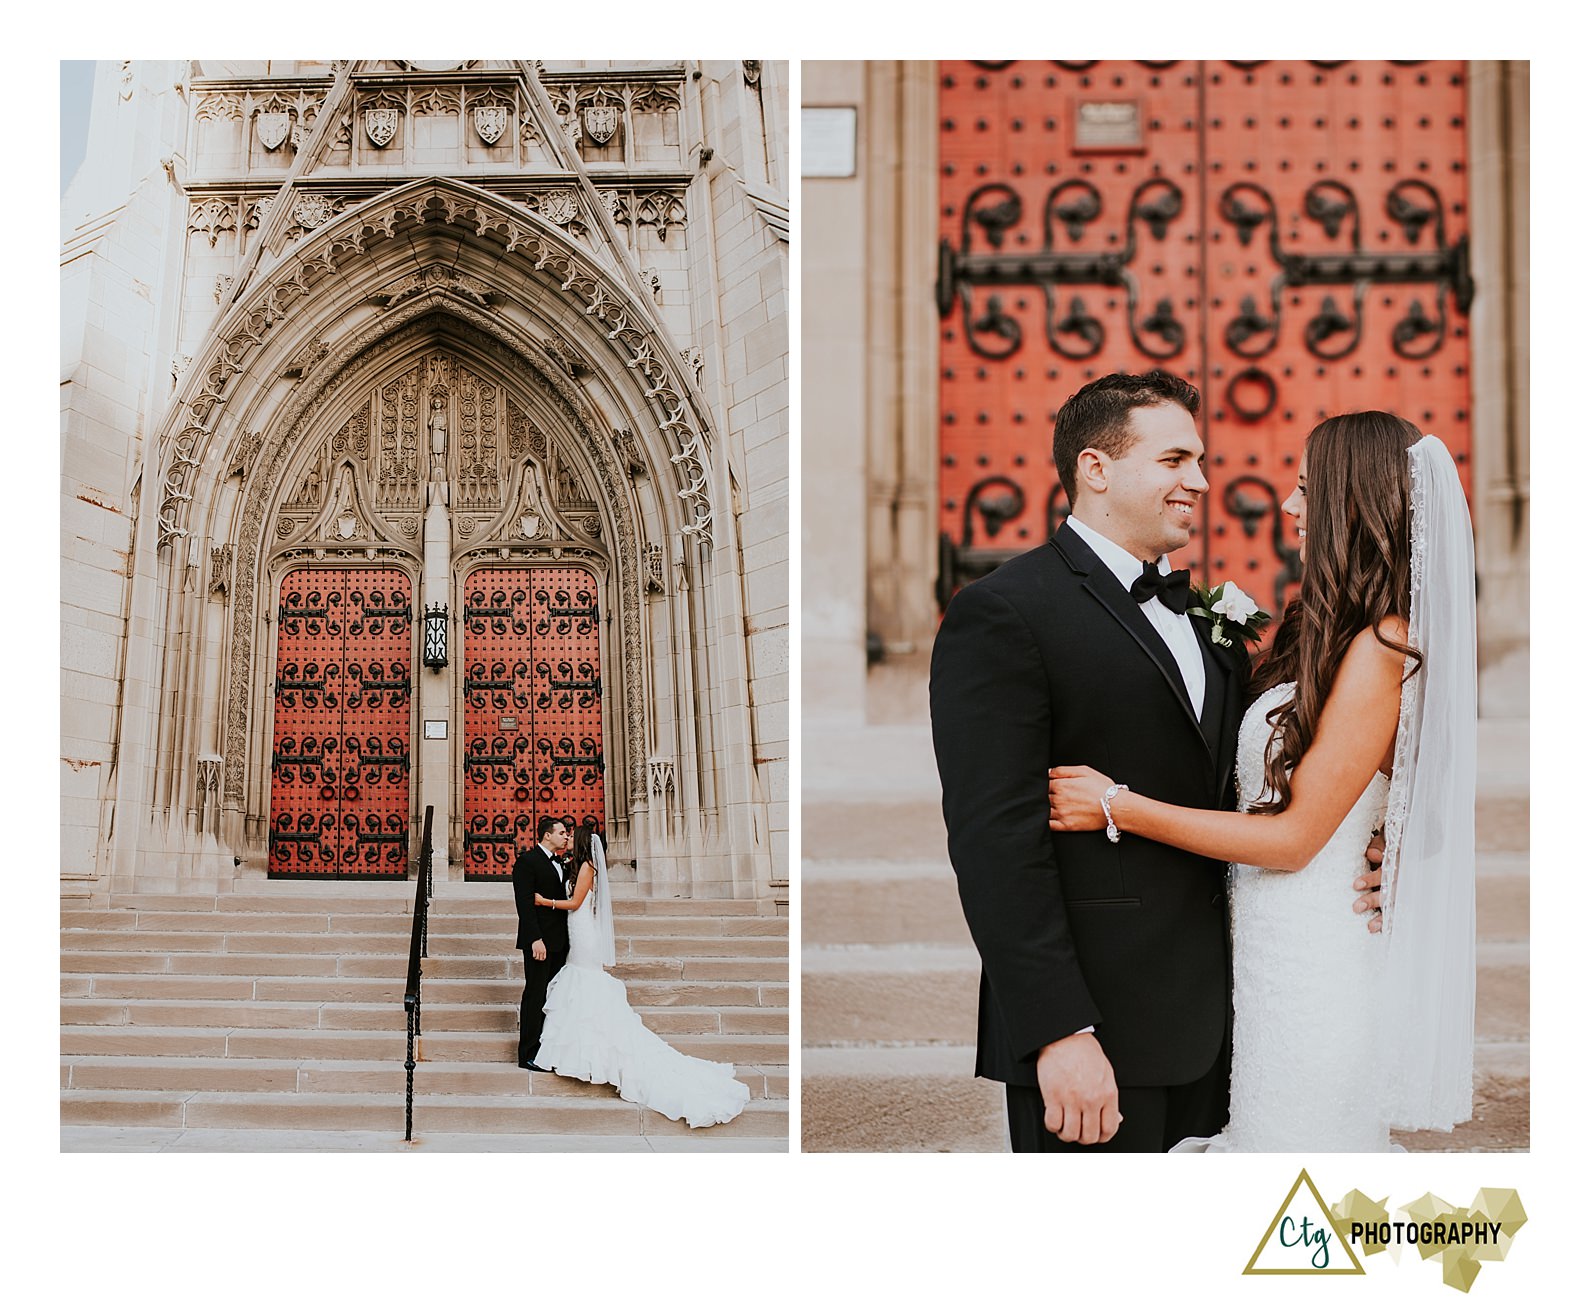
x,y
1357,572
580,849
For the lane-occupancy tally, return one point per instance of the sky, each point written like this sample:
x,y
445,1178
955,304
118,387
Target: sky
x,y
77,92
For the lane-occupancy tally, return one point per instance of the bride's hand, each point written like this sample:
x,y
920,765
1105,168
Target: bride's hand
x,y
1074,793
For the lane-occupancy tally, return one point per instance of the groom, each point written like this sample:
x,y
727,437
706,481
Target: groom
x,y
1105,999
543,931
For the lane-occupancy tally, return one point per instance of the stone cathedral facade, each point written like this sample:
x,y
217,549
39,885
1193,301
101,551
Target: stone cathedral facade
x,y
425,445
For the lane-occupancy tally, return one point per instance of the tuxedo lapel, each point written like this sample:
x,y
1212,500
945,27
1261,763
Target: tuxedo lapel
x,y
1101,582
1220,725
1216,677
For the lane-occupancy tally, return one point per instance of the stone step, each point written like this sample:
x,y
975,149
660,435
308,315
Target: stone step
x,y
924,1099
280,1008
368,1045
525,1114
840,759
854,902
389,1015
500,966
146,985
929,995
503,927
639,940
332,898
898,1100
194,1075
911,828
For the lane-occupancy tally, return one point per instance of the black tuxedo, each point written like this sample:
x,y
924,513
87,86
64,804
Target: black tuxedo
x,y
536,873
1045,662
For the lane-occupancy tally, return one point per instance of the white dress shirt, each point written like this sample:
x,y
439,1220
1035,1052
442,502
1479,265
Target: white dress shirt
x,y
1176,630
563,876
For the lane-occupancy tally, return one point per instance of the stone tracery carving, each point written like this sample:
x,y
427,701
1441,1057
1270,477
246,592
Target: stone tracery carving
x,y
656,208
437,100
438,277
625,548
212,218
219,105
342,520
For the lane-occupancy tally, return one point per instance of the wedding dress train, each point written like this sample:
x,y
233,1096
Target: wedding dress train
x,y
592,1034
1306,991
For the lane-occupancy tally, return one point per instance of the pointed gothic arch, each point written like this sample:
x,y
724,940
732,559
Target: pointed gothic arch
x,y
432,267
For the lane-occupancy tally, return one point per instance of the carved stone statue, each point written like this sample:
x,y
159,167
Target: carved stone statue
x,y
436,489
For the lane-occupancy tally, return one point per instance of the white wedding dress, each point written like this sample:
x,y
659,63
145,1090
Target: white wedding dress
x,y
592,1034
1306,993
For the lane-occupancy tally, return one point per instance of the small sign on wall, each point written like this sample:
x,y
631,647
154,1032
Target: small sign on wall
x,y
436,729
828,141
1109,125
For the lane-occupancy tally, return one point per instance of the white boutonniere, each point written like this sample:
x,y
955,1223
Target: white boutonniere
x,y
1229,610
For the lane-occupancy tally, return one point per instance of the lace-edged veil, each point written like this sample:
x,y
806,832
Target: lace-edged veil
x,y
1426,1028
602,891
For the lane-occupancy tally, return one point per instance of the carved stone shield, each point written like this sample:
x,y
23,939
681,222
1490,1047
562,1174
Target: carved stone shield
x,y
601,121
559,206
491,121
380,125
273,129
312,211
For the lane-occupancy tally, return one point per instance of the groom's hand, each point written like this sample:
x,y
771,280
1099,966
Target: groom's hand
x,y
538,950
1080,1101
1369,885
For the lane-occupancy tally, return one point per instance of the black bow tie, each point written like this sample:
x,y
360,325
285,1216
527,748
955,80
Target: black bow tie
x,y
1173,589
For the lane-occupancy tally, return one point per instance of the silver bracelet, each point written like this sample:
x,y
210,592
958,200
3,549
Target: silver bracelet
x,y
1111,831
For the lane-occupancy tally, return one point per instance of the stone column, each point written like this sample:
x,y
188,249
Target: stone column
x,y
1499,204
834,393
436,686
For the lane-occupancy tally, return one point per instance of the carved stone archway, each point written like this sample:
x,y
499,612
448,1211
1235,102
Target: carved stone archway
x,y
440,265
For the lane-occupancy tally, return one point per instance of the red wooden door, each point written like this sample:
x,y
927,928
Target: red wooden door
x,y
532,709
340,761
1288,235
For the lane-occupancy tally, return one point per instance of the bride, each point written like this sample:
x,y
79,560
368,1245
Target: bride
x,y
591,1032
1364,711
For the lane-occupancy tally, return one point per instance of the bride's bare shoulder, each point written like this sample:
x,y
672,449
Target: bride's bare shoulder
x,y
1375,653
1392,628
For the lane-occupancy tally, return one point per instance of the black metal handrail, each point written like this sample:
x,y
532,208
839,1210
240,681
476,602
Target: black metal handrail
x,y
417,950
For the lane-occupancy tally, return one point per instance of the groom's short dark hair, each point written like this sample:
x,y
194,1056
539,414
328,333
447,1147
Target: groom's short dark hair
x,y
1100,416
546,824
